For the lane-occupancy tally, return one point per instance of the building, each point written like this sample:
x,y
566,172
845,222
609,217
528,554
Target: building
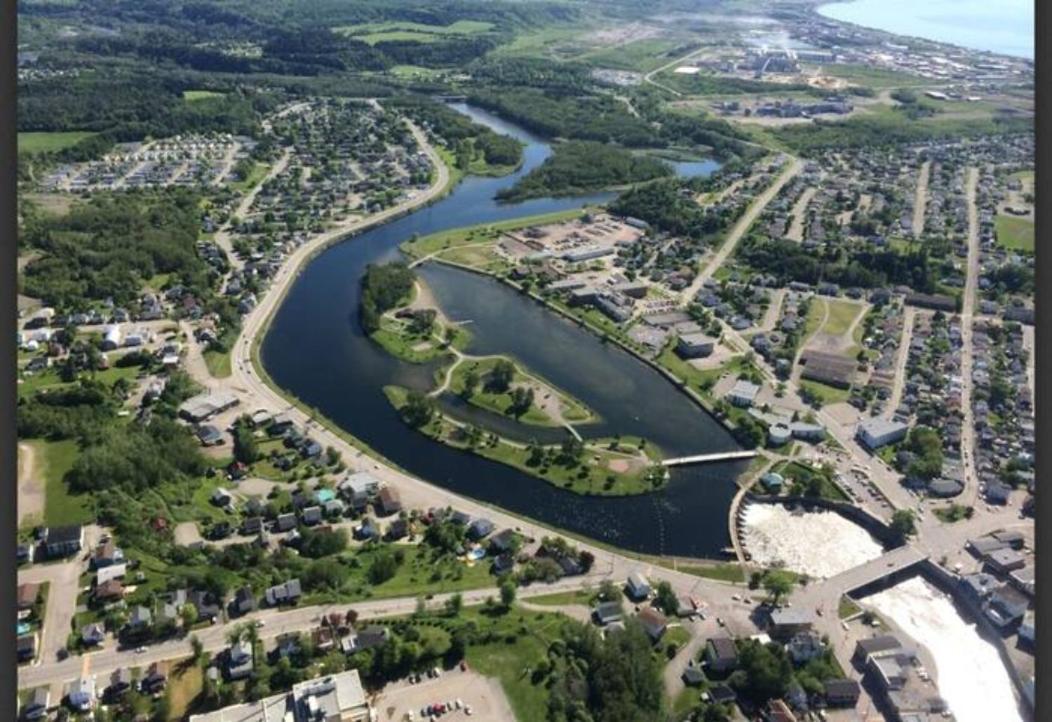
x,y
155,679
721,654
654,623
695,345
805,646
107,554
876,432
828,368
1006,608
865,648
82,694
743,393
788,622
26,647
1004,561
935,302
287,593
204,406
638,586
61,541
239,661
36,706
333,698
841,692
26,595
607,612
890,670
388,501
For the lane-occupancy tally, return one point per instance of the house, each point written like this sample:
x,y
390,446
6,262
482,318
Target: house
x,y
504,541
62,541
721,654
743,393
722,694
252,525
372,636
35,707
654,623
26,647
209,435
1005,560
480,528
398,529
503,563
877,431
222,498
788,622
1006,608
607,612
865,648
1027,630
205,603
243,601
287,593
841,692
120,682
155,679
116,571
777,710
106,554
890,670
26,595
24,553
311,515
93,634
695,345
285,522
204,406
140,618
367,530
388,502
998,493
109,591
638,586
805,646
239,661
82,694
360,482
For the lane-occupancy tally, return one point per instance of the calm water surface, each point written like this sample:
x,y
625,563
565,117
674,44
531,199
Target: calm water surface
x,y
316,350
999,26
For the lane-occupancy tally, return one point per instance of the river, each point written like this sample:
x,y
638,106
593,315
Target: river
x,y
970,674
316,350
1001,26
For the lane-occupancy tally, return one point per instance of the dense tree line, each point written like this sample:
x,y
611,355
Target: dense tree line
x,y
581,117
864,267
662,205
108,247
582,166
383,287
456,128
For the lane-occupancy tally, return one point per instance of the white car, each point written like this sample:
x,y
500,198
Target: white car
x,y
140,650
459,702
467,710
260,623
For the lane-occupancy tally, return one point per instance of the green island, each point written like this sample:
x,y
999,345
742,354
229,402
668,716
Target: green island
x,y
600,467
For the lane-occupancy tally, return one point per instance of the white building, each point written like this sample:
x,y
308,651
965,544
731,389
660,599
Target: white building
x,y
877,432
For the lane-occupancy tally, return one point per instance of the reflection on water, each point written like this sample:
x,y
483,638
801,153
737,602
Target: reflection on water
x,y
971,676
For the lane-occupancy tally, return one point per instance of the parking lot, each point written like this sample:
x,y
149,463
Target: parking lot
x,y
482,694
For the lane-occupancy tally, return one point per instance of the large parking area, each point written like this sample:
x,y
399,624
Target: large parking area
x,y
482,694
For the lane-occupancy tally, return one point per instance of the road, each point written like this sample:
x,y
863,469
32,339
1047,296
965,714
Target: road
x,y
971,478
920,199
738,231
909,315
223,235
649,77
30,487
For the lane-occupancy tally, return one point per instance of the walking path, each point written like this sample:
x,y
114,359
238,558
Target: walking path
x,y
971,479
920,200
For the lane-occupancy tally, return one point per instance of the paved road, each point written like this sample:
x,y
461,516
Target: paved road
x,y
909,315
971,478
920,199
793,168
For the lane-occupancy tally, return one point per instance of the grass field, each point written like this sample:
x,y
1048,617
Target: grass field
x,y
50,142
641,55
1016,234
870,77
218,363
54,459
583,597
374,33
426,245
184,686
191,96
841,315
723,572
259,170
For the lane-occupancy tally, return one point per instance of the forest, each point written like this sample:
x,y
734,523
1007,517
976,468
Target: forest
x,y
383,288
577,167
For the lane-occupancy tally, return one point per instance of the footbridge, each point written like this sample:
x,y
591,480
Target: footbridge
x,y
706,458
887,564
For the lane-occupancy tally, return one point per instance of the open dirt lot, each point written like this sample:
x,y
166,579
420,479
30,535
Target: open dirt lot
x,y
483,694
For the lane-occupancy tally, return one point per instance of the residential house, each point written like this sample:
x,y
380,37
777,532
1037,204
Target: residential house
x,y
93,634
787,622
36,706
841,692
721,654
155,679
480,528
243,602
107,554
109,591
287,593
26,595
805,646
607,612
638,586
120,682
82,694
388,502
1006,608
239,661
26,647
62,541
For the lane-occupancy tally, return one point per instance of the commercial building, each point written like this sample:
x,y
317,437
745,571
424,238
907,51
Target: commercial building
x,y
877,432
333,698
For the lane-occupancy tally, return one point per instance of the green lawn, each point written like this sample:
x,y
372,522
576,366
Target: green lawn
x,y
374,33
500,402
871,77
1016,234
583,597
841,315
594,473
802,474
184,686
724,572
50,142
259,170
54,459
218,363
847,607
826,394
426,245
191,96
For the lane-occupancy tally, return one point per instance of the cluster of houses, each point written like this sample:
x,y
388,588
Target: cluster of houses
x,y
903,687
183,160
1003,590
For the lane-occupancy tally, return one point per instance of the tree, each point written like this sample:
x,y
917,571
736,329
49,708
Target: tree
x,y
245,448
418,409
665,598
197,648
188,615
903,524
454,604
777,584
507,593
384,567
501,376
471,383
521,401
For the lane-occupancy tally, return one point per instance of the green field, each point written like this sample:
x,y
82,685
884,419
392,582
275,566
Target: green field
x,y
374,33
480,234
841,315
870,77
1015,234
54,459
218,363
254,178
50,142
191,96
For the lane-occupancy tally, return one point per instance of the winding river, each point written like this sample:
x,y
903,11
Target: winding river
x,y
316,350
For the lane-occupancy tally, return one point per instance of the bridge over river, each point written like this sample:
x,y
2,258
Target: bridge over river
x,y
706,458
